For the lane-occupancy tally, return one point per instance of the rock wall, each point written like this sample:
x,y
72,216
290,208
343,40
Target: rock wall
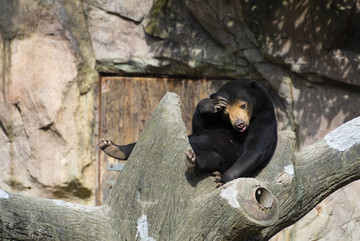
x,y
47,103
306,53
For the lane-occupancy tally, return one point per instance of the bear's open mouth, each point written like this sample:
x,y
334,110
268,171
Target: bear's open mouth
x,y
241,127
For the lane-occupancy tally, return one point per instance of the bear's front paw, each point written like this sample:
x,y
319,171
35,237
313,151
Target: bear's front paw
x,y
220,103
212,106
190,160
218,179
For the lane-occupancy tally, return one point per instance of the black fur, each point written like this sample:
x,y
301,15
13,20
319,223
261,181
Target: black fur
x,y
218,146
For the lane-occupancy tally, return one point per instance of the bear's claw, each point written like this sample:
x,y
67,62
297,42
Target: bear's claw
x,y
190,160
104,143
218,179
111,149
220,103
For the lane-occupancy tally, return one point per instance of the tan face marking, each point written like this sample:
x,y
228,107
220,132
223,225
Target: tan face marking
x,y
238,110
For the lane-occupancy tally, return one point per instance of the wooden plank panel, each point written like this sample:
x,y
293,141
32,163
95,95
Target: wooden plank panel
x,y
127,103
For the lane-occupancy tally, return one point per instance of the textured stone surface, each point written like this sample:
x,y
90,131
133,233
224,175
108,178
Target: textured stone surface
x,y
134,10
115,38
45,138
333,219
320,108
35,94
310,36
168,41
306,53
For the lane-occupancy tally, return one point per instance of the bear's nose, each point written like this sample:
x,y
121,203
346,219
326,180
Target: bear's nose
x,y
240,125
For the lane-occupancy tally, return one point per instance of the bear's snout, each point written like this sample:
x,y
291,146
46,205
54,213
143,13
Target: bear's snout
x,y
240,125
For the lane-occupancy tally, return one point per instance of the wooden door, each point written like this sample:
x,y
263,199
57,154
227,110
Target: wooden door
x,y
127,103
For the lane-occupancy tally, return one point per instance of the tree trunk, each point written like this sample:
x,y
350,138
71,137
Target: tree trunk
x,y
155,198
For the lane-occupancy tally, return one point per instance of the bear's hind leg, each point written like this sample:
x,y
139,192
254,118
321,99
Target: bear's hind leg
x,y
116,151
209,161
204,161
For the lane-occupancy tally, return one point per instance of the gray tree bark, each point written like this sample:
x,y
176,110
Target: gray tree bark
x,y
155,198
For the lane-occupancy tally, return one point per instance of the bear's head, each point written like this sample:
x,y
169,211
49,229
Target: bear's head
x,y
239,113
242,102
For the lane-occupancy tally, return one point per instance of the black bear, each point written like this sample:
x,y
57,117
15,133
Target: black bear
x,y
234,133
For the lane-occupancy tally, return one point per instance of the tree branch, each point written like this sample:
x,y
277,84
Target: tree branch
x,y
175,203
318,171
155,198
30,218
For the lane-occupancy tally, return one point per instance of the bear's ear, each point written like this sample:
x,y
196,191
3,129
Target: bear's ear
x,y
253,84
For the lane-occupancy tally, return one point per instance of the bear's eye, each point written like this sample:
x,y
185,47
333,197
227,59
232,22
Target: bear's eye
x,y
243,106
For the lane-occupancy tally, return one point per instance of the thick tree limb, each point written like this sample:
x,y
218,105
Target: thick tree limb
x,y
176,205
156,199
30,218
318,170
